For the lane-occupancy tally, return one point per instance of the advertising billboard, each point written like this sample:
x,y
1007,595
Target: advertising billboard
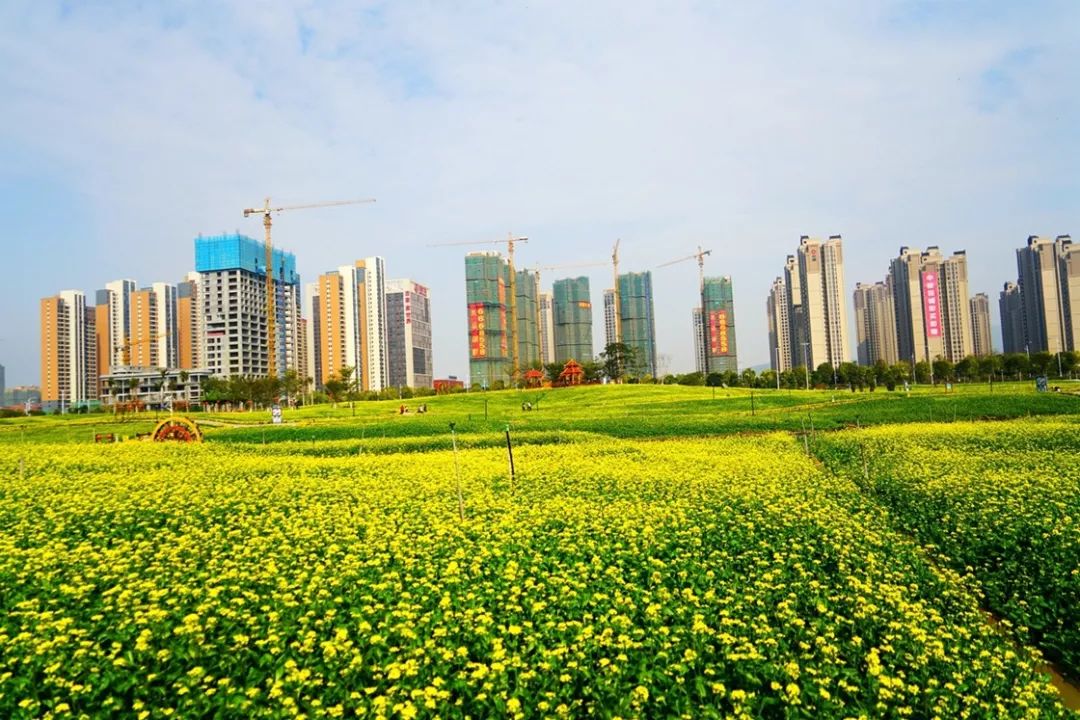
x,y
718,339
477,331
931,304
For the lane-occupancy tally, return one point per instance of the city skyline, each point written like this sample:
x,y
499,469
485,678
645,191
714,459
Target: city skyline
x,y
954,128
954,325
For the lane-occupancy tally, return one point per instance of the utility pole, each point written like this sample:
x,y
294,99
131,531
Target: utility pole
x,y
806,362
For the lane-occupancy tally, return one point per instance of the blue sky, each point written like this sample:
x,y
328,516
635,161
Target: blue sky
x,y
128,128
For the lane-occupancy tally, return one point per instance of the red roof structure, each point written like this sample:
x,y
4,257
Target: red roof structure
x,y
572,373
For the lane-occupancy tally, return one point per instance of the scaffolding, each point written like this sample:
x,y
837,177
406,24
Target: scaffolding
x,y
572,314
637,318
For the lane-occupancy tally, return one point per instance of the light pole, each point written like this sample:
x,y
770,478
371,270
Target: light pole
x,y
806,362
777,367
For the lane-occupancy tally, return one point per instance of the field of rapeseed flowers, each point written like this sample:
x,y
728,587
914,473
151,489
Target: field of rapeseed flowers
x,y
999,501
684,578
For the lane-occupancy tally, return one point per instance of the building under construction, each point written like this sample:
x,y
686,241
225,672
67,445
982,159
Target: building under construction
x,y
527,295
232,272
487,288
717,337
572,312
638,320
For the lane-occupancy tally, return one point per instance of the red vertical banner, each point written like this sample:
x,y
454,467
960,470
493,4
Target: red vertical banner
x,y
504,328
718,340
477,328
931,303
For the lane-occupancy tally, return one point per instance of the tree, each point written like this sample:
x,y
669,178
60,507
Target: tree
x,y
849,374
767,379
336,388
968,368
748,377
552,371
593,371
881,373
922,372
823,375
991,365
184,377
1041,362
944,371
291,385
1016,364
714,379
1069,362
619,360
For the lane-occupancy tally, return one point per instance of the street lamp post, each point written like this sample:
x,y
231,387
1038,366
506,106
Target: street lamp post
x,y
777,367
806,362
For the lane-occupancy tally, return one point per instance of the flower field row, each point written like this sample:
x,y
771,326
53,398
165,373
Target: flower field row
x,y
999,501
721,578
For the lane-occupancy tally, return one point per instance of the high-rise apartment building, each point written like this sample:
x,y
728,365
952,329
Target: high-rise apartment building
x,y
372,357
303,370
1049,297
698,328
637,319
351,324
716,346
527,328
875,324
68,351
115,312
1069,275
547,328
190,340
956,308
313,334
1041,293
980,325
572,310
1012,319
915,279
487,288
408,317
153,327
166,325
821,277
776,311
609,317
143,331
796,314
328,321
232,276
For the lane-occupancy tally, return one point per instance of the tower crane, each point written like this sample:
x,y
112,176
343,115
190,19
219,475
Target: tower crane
x,y
271,314
618,306
700,257
510,240
125,347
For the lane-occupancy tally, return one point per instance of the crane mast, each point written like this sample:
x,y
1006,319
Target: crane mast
x,y
618,306
271,300
512,324
700,257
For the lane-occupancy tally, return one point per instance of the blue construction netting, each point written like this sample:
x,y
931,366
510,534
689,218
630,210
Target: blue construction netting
x,y
240,252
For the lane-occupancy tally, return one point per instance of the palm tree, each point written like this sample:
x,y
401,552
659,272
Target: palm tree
x,y
184,375
133,385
